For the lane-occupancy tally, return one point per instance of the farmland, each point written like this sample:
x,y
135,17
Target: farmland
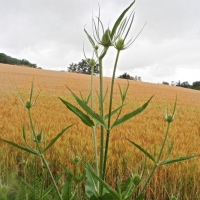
x,y
147,129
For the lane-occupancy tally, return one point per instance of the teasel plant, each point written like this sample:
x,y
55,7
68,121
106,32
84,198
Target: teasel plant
x,y
96,187
102,39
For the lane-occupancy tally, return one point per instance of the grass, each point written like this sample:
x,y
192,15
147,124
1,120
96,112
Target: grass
x,y
145,129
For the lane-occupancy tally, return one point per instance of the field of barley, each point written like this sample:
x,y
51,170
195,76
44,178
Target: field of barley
x,y
147,129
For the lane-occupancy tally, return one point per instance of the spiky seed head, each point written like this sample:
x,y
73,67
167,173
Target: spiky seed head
x,y
96,47
92,62
169,118
136,179
76,159
173,198
106,41
24,162
28,105
119,44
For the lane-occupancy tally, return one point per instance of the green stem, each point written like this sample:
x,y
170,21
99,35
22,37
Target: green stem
x,y
158,160
148,179
94,128
51,175
109,115
164,141
41,155
101,114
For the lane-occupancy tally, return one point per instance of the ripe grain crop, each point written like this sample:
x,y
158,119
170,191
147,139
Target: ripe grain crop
x,y
147,129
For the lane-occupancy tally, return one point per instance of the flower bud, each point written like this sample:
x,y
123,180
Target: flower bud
x,y
136,179
28,105
76,159
119,44
96,47
169,118
92,62
173,198
106,41
24,162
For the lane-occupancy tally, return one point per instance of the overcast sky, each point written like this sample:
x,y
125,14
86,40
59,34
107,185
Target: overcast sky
x,y
51,34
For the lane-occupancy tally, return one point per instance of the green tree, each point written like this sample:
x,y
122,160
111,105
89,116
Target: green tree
x,y
14,61
196,85
83,67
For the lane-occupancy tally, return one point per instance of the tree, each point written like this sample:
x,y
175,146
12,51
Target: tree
x,y
196,85
185,84
14,61
127,76
83,67
165,83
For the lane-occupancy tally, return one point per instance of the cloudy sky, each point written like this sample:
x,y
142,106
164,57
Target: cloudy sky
x,y
51,34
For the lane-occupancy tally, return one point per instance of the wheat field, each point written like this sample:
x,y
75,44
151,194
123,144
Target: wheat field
x,y
146,129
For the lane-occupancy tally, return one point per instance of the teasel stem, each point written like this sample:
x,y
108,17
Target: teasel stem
x,y
42,156
94,128
158,160
109,115
164,141
101,99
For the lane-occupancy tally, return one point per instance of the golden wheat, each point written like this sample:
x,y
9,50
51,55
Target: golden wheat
x,y
146,129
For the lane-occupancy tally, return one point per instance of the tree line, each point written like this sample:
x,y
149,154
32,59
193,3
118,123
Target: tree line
x,y
14,61
195,85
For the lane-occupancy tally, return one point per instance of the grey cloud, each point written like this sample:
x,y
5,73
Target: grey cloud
x,y
51,34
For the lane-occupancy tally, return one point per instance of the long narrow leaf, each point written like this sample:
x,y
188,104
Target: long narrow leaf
x,y
90,39
56,138
113,112
111,191
88,109
140,197
51,186
117,23
142,150
84,118
91,186
166,162
28,185
21,147
67,186
131,114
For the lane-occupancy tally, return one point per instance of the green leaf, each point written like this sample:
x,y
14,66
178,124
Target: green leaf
x,y
56,138
123,93
67,186
117,23
90,39
39,137
113,112
128,189
21,147
29,186
142,150
85,100
84,118
126,184
119,187
131,114
24,132
140,197
91,186
51,186
32,88
93,178
88,109
166,162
